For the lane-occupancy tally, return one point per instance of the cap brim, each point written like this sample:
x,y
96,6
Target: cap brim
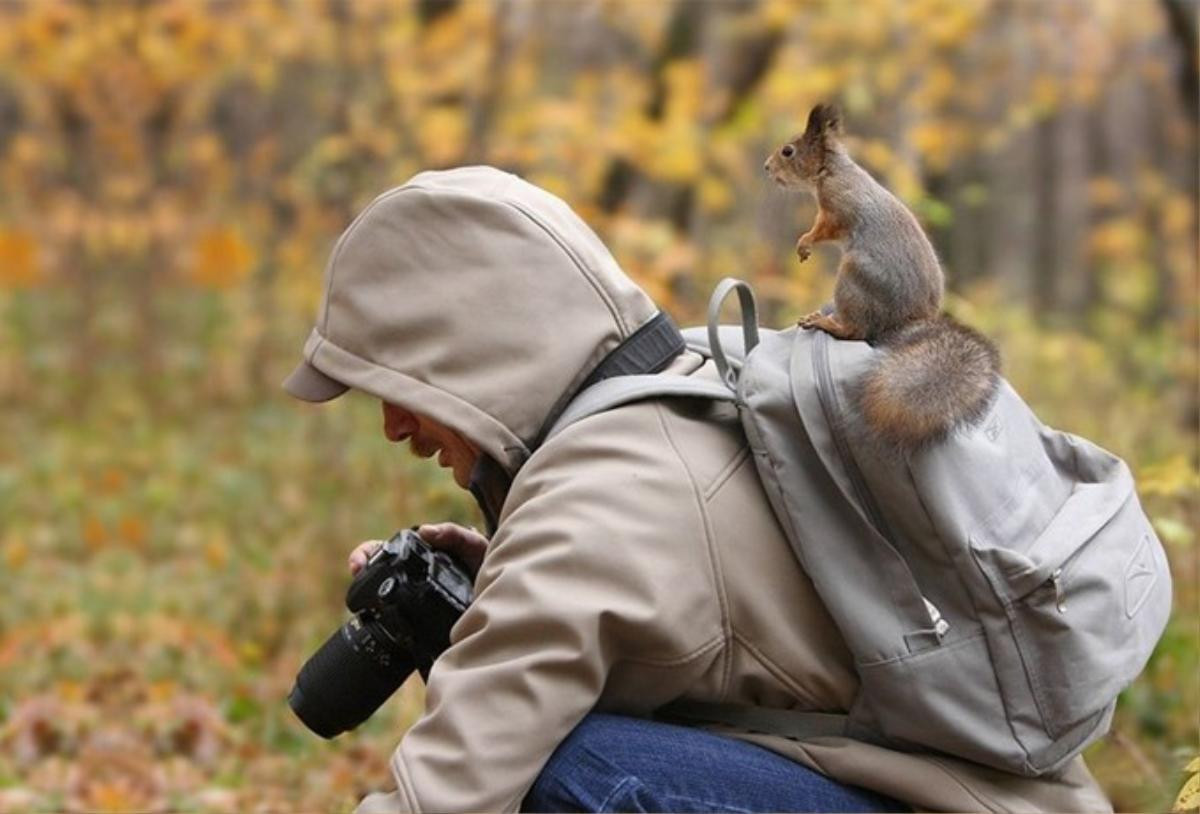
x,y
309,384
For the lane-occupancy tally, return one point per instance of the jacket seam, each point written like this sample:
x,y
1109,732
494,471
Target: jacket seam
x,y
714,563
404,782
726,472
987,802
578,262
598,289
675,661
777,672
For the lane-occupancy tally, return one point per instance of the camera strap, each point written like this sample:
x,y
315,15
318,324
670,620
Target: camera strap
x,y
649,349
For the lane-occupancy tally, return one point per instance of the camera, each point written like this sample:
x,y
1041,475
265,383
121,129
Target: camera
x,y
404,601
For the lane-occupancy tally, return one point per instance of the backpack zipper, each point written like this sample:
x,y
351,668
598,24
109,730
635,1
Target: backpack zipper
x,y
827,395
832,409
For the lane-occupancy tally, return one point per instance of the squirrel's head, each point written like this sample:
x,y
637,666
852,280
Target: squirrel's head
x,y
803,158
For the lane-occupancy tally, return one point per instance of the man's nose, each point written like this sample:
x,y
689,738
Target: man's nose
x,y
398,424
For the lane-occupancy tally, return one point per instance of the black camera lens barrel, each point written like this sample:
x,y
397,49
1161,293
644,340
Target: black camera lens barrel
x,y
348,678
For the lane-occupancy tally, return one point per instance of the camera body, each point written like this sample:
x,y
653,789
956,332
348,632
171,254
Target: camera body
x,y
404,601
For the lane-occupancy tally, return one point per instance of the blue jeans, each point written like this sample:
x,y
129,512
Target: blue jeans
x,y
614,763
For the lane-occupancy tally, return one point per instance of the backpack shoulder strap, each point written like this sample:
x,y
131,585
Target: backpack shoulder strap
x,y
618,390
625,389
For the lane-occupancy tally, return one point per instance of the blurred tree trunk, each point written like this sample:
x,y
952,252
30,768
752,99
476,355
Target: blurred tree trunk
x,y
1046,249
1100,169
483,111
680,40
429,11
1071,169
79,175
1182,25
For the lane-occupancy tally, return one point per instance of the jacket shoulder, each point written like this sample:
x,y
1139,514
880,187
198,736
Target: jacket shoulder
x,y
616,492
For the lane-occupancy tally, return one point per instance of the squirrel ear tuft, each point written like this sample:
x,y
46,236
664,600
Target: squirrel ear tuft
x,y
824,119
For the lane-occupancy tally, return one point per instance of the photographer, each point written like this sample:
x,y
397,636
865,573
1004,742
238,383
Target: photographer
x,y
631,561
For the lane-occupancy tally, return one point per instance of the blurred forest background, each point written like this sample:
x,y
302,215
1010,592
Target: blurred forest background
x,y
173,529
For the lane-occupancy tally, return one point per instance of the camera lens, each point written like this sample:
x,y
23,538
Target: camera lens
x,y
349,677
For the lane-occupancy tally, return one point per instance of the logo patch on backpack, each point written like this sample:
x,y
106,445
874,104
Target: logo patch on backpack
x,y
992,430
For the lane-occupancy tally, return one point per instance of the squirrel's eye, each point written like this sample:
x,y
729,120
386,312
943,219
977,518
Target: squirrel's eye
x,y
787,151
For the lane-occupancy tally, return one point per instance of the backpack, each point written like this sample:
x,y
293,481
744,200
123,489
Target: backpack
x,y
998,589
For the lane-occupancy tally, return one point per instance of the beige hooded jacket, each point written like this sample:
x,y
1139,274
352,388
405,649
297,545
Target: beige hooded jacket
x,y
636,560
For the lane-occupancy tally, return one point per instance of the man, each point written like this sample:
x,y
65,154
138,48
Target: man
x,y
632,560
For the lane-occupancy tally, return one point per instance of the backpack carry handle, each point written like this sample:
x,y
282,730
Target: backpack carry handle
x,y
749,311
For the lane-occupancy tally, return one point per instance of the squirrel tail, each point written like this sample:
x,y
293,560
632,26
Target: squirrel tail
x,y
935,377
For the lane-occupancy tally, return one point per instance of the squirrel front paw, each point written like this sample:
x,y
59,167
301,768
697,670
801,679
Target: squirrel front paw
x,y
803,250
810,320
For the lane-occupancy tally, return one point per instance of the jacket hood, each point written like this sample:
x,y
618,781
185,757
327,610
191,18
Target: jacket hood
x,y
472,297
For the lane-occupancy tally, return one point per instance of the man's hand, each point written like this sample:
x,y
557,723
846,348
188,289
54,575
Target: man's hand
x,y
361,553
467,545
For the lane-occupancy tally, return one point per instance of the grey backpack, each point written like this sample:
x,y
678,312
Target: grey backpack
x,y
998,589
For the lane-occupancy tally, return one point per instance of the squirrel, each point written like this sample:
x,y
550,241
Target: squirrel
x,y
937,375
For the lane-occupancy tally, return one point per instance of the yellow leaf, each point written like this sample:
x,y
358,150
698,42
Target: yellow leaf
x,y
251,652
1045,94
16,552
1116,238
1189,795
1105,191
216,551
95,535
443,134
715,195
1174,476
132,530
18,259
222,259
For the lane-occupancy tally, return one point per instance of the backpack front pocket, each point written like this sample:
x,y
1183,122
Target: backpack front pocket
x,y
943,698
1086,600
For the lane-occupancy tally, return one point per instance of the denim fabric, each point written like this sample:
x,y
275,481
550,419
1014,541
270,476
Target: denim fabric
x,y
615,763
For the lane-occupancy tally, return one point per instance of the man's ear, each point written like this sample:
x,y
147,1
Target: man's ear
x,y
824,120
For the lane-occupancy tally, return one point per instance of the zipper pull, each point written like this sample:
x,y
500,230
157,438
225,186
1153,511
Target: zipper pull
x,y
940,626
1060,597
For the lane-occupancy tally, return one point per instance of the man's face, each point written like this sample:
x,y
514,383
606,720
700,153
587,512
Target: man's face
x,y
427,437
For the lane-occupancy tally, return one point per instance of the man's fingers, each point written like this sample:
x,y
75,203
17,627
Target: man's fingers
x,y
466,544
444,532
451,535
361,553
